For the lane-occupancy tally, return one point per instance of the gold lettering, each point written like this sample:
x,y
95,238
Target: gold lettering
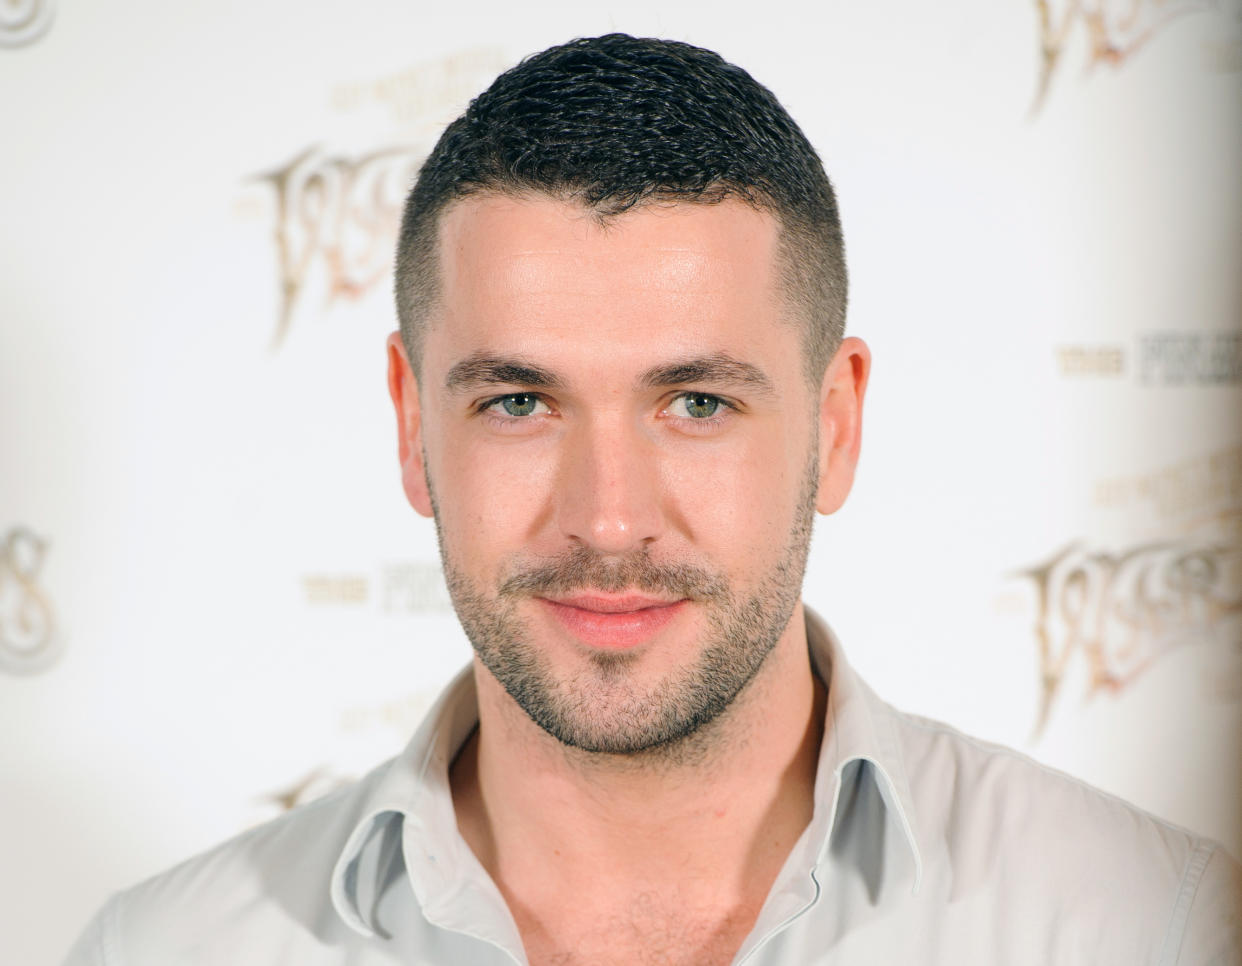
x,y
1120,613
341,214
28,639
1114,31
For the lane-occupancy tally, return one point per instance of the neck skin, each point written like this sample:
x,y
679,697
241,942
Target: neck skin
x,y
705,827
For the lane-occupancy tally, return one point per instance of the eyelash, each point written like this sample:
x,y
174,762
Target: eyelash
x,y
725,409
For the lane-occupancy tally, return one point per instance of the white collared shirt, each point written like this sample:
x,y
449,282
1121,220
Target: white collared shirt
x,y
925,847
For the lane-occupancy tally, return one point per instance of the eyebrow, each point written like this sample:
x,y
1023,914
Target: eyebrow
x,y
717,368
478,371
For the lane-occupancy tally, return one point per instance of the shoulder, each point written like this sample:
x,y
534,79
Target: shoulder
x,y
959,779
267,885
1057,844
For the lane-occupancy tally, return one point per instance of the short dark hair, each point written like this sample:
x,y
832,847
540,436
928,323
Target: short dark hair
x,y
616,121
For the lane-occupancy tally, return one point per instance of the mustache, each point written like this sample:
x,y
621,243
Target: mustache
x,y
585,569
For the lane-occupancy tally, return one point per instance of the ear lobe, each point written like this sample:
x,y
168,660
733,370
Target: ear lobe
x,y
840,422
403,388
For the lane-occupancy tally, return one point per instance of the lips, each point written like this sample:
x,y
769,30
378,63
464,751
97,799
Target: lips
x,y
612,622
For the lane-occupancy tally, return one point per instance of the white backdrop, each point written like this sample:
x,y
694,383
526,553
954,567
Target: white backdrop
x,y
214,601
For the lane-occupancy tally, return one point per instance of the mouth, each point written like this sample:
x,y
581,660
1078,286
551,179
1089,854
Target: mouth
x,y
612,622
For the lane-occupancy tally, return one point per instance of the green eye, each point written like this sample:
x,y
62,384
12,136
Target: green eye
x,y
699,405
519,404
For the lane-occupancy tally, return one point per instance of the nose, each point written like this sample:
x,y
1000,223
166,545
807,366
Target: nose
x,y
608,495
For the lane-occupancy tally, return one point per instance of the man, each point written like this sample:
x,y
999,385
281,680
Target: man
x,y
622,389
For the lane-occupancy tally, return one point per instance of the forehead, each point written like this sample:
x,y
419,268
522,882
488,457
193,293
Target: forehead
x,y
680,234
548,273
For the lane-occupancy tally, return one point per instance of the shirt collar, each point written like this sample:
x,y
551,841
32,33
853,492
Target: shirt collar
x,y
860,728
408,815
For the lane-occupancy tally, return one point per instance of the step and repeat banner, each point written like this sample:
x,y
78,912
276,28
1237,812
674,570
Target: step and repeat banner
x,y
214,601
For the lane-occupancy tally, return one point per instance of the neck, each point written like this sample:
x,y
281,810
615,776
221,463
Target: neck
x,y
715,816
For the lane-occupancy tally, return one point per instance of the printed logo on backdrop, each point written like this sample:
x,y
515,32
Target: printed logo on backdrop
x,y
1190,358
1172,358
22,22
1115,612
29,642
1112,33
1122,611
337,212
337,219
410,588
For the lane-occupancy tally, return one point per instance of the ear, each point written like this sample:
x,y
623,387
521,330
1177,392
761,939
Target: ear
x,y
840,422
403,388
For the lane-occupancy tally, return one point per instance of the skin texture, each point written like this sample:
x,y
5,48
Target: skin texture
x,y
616,416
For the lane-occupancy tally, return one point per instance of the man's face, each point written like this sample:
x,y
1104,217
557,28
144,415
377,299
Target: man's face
x,y
621,454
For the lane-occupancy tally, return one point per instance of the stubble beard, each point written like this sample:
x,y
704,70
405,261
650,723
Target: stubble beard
x,y
601,709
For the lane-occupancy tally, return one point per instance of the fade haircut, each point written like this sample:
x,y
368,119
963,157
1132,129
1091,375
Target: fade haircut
x,y
614,122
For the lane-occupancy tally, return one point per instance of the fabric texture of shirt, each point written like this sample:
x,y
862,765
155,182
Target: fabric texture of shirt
x,y
925,847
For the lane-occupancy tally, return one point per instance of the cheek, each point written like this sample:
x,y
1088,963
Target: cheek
x,y
492,498
739,502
